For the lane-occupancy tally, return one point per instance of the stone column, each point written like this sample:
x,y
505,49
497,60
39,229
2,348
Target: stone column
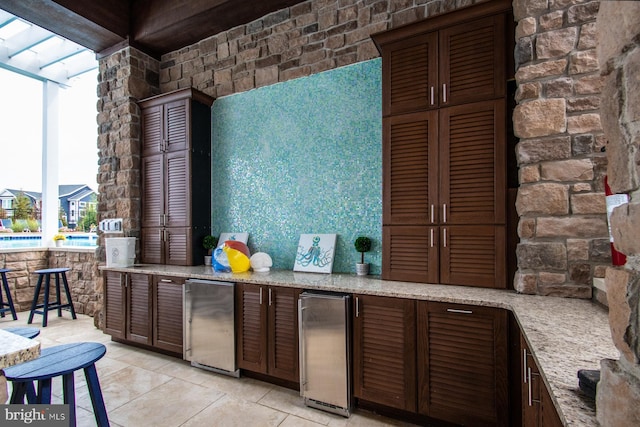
x,y
618,31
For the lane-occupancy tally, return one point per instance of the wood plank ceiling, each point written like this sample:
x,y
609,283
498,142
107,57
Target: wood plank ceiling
x,y
154,26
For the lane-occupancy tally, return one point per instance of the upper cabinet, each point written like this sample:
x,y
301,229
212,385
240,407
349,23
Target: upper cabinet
x,y
444,147
176,177
456,65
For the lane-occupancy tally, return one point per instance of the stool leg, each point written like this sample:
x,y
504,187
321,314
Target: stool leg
x,y
68,294
45,308
44,391
31,393
5,284
69,397
34,303
18,392
95,392
58,300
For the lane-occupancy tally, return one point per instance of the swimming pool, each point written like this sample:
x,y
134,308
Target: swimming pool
x,y
29,240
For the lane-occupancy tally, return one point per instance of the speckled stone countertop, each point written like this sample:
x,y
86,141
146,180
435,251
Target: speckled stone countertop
x,y
14,349
564,334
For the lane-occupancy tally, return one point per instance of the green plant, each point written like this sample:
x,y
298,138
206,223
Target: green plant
x,y
33,225
209,242
59,236
362,245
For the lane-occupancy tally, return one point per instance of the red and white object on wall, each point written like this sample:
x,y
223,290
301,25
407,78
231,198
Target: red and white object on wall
x,y
613,201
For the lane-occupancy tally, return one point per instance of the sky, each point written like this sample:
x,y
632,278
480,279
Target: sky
x,y
21,132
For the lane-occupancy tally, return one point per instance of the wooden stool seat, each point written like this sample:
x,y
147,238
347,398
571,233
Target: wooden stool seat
x,y
61,360
45,275
6,306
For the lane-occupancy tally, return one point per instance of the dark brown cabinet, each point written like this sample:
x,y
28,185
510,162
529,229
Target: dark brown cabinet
x,y
384,366
463,364
444,148
175,173
267,330
144,309
538,409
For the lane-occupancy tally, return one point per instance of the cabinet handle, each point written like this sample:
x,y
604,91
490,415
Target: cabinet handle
x,y
431,237
444,237
166,280
456,310
270,297
260,295
444,212
529,387
444,92
357,307
433,212
524,365
432,95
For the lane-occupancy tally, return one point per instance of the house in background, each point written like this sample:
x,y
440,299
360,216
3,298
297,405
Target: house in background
x,y
73,202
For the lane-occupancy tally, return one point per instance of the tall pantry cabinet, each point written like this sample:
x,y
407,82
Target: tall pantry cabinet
x,y
176,177
444,148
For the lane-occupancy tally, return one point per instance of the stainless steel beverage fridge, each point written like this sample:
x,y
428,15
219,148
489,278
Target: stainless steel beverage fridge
x,y
325,354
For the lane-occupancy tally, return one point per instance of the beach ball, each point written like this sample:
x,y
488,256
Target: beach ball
x,y
220,260
238,258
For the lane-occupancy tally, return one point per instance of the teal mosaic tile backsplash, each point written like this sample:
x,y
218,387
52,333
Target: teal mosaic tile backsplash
x,y
303,156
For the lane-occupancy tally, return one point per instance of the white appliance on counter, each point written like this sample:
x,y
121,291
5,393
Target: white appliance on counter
x,y
325,354
209,326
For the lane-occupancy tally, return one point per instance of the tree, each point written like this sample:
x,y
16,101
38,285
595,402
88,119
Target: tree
x,y
90,217
22,208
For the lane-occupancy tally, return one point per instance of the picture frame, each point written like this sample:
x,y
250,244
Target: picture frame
x,y
240,237
315,253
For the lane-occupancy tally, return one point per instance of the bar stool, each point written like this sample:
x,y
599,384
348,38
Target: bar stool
x,y
24,331
6,306
45,275
61,360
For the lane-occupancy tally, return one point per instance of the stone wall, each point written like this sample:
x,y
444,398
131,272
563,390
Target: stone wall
x,y
86,290
563,230
619,58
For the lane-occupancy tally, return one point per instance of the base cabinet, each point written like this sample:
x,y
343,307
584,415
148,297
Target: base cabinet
x,y
538,409
463,364
144,309
267,330
384,365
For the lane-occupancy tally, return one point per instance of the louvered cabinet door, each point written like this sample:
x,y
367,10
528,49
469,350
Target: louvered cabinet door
x,y
178,189
139,309
167,313
177,245
177,125
462,364
152,130
411,253
114,304
472,61
384,351
473,164
152,194
473,255
410,169
410,73
152,245
251,329
283,333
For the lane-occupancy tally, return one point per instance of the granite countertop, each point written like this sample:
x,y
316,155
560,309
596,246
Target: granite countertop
x,y
16,349
564,334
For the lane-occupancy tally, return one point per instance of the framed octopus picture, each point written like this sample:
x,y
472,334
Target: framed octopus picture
x,y
315,253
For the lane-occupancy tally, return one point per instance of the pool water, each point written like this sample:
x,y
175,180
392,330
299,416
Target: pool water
x,y
35,241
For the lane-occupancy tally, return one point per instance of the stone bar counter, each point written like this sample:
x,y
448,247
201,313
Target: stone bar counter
x,y
564,334
14,349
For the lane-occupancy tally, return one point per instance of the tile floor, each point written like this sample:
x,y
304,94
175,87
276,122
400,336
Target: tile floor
x,y
143,388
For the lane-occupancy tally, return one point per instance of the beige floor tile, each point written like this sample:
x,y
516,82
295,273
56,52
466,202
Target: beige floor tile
x,y
232,412
170,404
243,388
289,401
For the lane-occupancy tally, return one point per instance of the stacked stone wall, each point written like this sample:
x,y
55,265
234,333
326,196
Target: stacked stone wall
x,y
563,231
86,289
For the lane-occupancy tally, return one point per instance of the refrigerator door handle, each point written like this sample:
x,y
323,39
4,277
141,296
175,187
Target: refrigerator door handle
x,y
301,354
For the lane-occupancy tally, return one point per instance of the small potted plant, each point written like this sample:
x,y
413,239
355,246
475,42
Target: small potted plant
x,y
208,242
362,245
59,238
